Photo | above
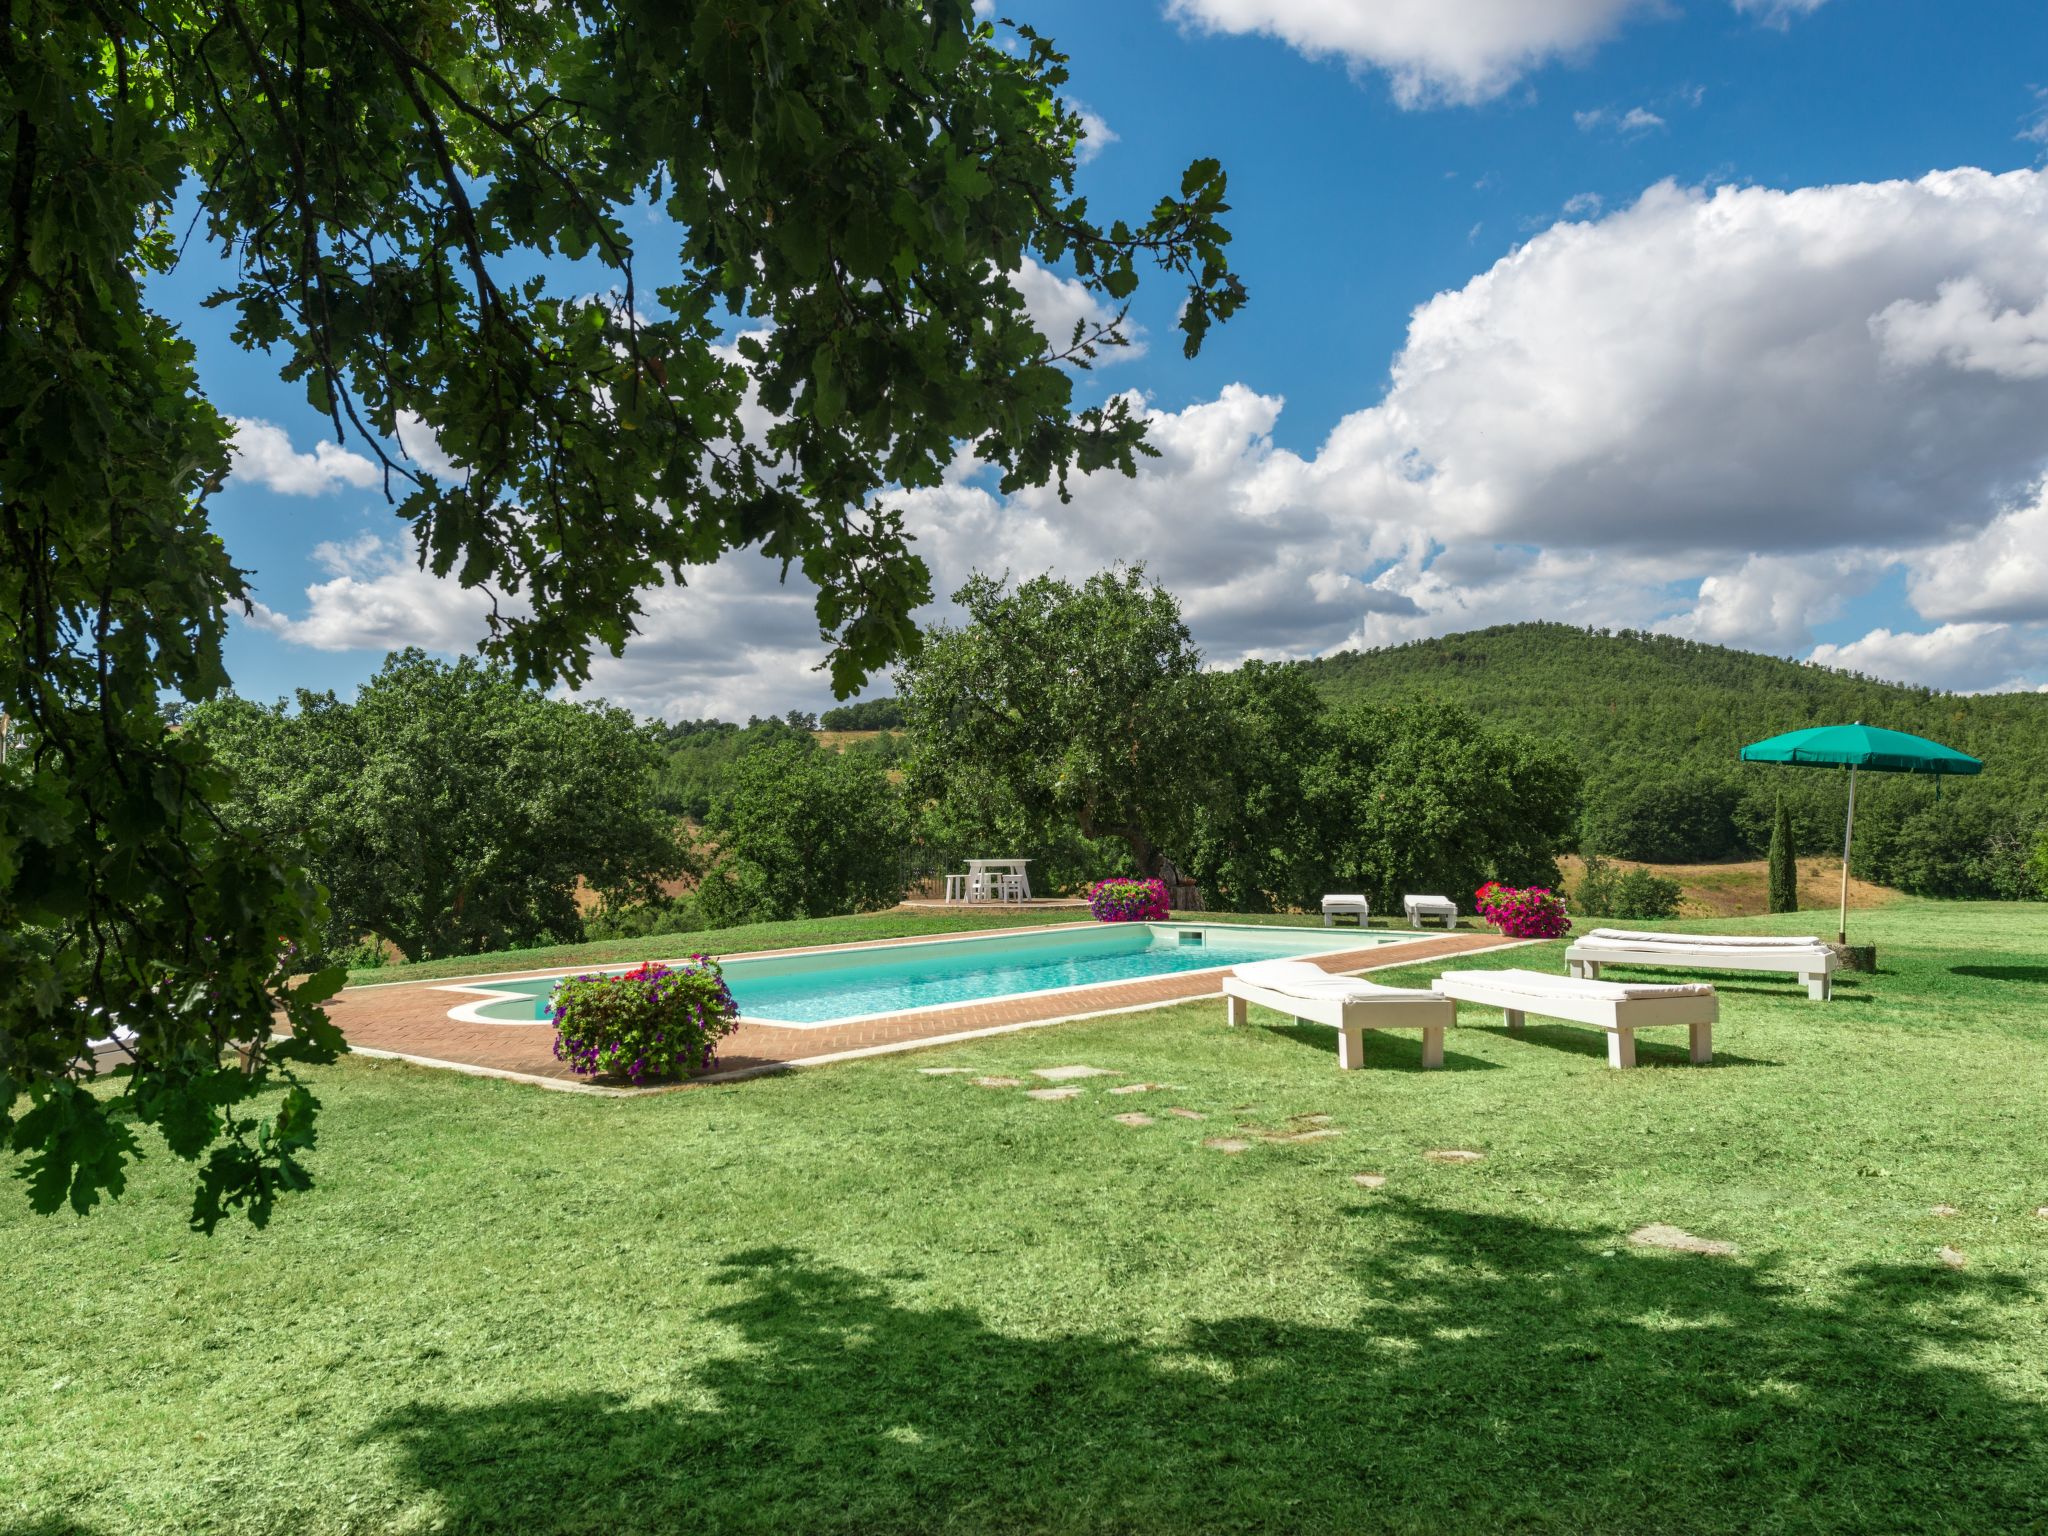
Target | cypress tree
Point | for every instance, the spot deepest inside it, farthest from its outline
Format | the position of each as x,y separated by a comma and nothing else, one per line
1784,865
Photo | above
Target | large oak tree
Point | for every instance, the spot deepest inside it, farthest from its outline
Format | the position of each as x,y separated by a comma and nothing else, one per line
843,190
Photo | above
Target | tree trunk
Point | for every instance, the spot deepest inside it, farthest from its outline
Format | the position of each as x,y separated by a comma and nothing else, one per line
1149,860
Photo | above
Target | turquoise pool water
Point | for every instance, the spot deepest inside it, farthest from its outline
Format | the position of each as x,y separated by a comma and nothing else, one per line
838,985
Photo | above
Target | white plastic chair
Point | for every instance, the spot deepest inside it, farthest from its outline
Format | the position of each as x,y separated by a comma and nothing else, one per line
1012,888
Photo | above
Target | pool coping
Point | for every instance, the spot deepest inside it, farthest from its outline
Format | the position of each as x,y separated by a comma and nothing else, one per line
746,954
417,1030
471,1013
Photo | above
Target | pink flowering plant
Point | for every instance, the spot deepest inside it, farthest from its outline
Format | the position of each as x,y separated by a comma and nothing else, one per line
1128,901
650,1024
1523,912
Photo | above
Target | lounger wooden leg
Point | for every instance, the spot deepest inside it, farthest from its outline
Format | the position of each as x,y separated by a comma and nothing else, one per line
1432,1046
1351,1048
1820,988
1576,969
1592,971
1516,1019
1621,1047
1237,1010
1702,1043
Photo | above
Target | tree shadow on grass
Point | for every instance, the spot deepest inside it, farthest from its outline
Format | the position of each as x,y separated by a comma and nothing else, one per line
1384,1048
1651,1051
1490,1373
2031,975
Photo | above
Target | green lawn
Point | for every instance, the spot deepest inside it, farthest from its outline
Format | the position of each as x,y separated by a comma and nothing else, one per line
864,1299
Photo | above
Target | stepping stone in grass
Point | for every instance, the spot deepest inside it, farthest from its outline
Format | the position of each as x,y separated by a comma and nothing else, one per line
1321,1133
2041,1211
1454,1155
1137,1087
1186,1114
1661,1234
1061,1074
1227,1144
1953,1259
1309,1119
1944,1210
1052,1093
1133,1119
998,1082
1369,1180
942,1071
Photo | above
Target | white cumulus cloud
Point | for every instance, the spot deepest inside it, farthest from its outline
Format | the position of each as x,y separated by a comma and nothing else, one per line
376,597
1964,657
1999,572
1444,52
1097,135
1702,372
1057,304
1968,326
1432,51
262,453
1720,414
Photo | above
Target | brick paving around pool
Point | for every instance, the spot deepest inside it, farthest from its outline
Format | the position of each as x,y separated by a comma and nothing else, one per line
410,1021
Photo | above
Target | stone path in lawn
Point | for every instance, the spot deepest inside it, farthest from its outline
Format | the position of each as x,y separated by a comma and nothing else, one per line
410,1020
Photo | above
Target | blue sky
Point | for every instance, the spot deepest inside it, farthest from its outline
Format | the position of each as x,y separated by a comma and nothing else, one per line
1726,317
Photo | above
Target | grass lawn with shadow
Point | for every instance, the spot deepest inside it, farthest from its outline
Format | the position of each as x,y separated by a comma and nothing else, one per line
871,1298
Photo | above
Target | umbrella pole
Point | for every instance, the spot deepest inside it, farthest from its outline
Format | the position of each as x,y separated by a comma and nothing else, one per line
1848,832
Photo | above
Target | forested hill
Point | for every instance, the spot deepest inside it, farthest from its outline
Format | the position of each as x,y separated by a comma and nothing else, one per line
1661,699
1656,722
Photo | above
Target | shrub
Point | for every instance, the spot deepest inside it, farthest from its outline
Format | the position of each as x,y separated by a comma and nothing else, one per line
640,919
1633,893
1530,912
651,1023
1128,901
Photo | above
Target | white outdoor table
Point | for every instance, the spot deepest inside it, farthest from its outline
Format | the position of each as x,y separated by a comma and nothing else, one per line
994,867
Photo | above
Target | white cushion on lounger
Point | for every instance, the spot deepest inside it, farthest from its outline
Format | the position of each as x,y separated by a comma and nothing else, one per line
1305,980
1539,984
1625,936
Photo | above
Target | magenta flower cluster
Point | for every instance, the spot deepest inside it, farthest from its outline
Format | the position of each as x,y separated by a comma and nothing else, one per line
649,1024
1128,901
1523,912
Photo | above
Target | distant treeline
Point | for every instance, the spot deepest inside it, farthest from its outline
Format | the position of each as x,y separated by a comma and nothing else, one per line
698,755
1656,723
448,809
867,715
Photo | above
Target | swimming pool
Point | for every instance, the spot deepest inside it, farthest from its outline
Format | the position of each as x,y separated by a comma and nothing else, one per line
834,986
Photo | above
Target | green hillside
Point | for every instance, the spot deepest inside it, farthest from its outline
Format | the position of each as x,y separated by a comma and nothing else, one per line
1656,722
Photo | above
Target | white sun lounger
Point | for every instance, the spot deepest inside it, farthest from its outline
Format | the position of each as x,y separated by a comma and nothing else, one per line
1620,1009
1420,909
1347,1004
1345,906
1807,958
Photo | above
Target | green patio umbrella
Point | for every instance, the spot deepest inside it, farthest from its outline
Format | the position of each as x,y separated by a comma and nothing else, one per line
1853,747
